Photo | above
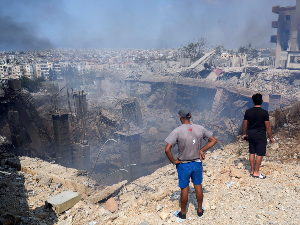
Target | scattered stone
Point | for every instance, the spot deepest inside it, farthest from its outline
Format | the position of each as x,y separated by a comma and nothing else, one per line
236,173
145,203
140,201
45,181
112,217
65,222
144,223
213,207
240,166
103,212
159,207
161,194
274,145
225,170
58,185
164,215
111,205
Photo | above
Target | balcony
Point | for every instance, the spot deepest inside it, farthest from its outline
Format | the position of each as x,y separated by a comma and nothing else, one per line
275,9
274,24
273,39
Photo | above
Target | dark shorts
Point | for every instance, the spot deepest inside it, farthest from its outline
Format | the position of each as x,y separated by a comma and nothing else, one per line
189,170
257,146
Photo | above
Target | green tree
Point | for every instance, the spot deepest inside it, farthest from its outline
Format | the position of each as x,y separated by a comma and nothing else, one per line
219,49
243,50
251,52
194,50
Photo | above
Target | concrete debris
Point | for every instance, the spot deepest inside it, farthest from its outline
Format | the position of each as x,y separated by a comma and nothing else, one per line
63,201
106,192
111,205
220,184
161,194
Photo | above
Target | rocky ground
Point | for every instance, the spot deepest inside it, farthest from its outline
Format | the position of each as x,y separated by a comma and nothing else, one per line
231,195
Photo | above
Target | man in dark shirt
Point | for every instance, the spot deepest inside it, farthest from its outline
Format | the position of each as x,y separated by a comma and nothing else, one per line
189,137
256,122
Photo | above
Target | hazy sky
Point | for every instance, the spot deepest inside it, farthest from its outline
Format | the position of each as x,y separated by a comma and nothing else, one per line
43,24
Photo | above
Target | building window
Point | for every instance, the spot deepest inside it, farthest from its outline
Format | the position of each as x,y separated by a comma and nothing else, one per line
288,17
287,32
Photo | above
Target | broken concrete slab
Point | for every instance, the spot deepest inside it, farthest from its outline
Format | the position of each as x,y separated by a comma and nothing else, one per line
106,192
111,205
68,177
63,201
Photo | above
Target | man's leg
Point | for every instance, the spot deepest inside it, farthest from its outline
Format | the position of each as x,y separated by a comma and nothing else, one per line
199,196
261,151
184,199
257,165
252,159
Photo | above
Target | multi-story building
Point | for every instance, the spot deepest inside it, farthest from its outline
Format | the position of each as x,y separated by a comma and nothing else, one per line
29,71
5,71
288,36
16,71
41,69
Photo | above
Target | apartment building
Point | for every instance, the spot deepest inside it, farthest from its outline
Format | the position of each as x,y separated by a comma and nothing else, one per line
41,69
288,36
16,71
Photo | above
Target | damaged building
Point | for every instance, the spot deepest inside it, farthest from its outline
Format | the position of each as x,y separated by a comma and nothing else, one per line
287,39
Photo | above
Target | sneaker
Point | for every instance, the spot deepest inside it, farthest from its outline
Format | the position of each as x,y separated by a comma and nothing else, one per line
179,216
200,214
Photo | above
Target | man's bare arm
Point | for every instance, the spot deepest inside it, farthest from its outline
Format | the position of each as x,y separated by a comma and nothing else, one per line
245,124
211,142
269,130
169,154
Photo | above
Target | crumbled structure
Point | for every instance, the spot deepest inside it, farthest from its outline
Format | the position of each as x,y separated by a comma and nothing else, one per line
130,143
62,139
81,105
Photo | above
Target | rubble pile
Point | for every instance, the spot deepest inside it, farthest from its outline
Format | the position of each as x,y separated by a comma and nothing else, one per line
263,80
231,195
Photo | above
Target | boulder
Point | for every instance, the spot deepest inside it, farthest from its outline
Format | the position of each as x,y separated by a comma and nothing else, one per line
111,205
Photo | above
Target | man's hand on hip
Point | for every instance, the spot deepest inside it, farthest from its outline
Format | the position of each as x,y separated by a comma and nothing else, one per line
202,156
177,161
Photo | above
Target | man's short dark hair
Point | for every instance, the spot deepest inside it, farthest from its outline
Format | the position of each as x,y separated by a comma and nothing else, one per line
257,99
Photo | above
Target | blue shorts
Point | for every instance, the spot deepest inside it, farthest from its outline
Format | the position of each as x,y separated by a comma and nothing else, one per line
189,170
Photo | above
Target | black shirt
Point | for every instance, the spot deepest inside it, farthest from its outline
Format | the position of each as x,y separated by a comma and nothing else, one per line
256,118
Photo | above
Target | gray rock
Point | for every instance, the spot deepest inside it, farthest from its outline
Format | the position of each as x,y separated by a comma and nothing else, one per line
65,222
103,212
159,207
